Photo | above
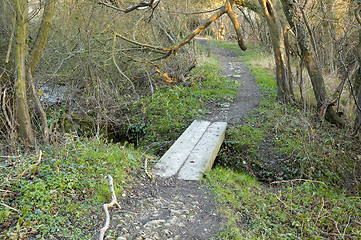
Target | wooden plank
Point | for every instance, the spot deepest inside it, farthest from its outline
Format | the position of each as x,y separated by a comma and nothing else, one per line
202,157
175,157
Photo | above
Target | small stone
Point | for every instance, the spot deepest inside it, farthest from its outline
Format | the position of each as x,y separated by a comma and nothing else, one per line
175,212
167,232
155,223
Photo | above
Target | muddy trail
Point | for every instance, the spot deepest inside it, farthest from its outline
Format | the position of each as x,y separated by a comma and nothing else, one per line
176,209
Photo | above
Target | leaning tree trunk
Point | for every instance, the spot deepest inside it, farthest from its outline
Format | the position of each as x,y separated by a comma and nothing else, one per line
22,110
357,123
36,54
283,88
312,65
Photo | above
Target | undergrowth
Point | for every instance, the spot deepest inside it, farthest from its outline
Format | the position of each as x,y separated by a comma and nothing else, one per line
313,167
166,114
292,210
63,196
282,142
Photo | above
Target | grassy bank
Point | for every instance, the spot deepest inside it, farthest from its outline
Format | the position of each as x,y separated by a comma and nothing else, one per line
310,169
169,111
62,197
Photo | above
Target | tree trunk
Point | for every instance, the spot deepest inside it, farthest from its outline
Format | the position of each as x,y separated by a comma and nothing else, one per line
357,123
39,47
43,34
283,88
22,110
287,60
314,71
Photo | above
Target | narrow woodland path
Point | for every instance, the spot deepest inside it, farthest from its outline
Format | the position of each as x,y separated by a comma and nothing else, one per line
176,209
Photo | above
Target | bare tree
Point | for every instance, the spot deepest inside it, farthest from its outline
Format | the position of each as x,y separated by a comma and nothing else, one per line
324,104
284,93
24,71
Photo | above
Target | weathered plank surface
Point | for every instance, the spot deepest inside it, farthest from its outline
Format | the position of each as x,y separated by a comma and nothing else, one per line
201,159
194,151
175,157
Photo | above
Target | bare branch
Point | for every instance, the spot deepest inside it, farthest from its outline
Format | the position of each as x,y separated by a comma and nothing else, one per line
357,14
143,44
116,65
140,5
3,106
191,13
9,207
208,22
38,106
236,25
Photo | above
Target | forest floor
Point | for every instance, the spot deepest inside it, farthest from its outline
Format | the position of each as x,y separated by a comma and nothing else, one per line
177,209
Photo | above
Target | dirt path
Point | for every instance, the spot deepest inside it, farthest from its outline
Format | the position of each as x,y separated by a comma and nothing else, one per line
176,209
249,94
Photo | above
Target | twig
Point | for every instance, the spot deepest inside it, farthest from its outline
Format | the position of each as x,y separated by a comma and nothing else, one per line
191,13
294,180
10,42
6,191
31,167
141,5
146,171
10,156
116,65
9,207
3,105
39,107
143,44
106,206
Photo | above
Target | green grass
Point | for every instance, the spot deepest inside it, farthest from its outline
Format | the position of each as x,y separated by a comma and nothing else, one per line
62,196
170,110
224,44
281,143
293,210
303,148
59,197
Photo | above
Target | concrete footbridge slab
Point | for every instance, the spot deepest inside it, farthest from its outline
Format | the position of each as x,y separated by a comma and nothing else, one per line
194,151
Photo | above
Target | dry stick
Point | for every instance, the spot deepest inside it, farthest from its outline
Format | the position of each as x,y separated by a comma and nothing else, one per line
10,43
146,169
140,5
294,180
6,191
29,168
191,13
357,14
108,205
9,207
116,65
38,107
143,44
4,111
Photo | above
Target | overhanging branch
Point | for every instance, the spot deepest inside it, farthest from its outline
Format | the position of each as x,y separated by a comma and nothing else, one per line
140,5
